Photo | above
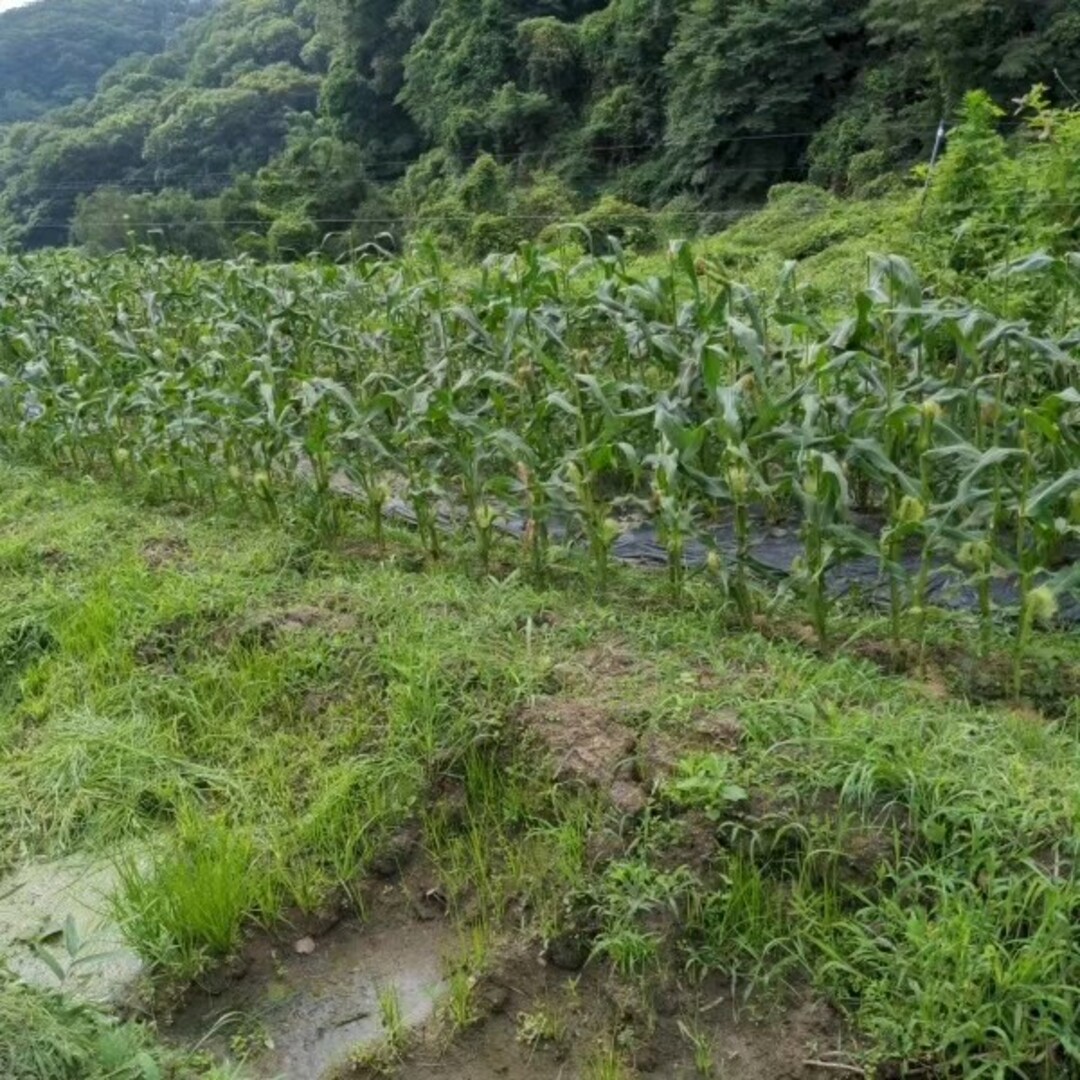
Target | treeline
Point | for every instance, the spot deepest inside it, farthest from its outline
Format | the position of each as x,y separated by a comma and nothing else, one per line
281,126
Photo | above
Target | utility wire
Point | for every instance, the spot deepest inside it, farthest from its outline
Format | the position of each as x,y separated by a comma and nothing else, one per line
437,219
505,156
140,187
394,167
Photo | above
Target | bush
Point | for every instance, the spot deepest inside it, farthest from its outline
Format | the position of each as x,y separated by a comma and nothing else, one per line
546,201
800,198
44,1036
867,167
174,221
495,233
630,225
377,221
680,219
483,189
292,236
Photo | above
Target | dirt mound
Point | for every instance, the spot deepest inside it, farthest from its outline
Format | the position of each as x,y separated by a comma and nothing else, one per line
588,744
164,551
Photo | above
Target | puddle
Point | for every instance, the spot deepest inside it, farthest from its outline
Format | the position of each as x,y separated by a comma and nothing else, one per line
300,1015
36,901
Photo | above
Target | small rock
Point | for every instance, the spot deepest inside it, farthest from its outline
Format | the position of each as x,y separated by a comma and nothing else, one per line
627,798
304,947
399,849
494,996
568,952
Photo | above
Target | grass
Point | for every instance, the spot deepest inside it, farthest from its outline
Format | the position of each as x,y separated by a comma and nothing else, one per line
186,905
253,721
45,1037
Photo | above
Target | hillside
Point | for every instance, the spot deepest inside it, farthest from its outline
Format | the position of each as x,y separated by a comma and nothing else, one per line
54,53
267,125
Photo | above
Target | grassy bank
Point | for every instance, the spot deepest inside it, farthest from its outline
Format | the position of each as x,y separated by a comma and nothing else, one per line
261,725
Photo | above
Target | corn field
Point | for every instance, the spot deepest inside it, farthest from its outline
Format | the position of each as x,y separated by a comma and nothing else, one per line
922,431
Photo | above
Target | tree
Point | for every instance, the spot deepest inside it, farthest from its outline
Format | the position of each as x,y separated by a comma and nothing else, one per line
326,111
366,74
318,177
461,60
62,165
112,220
750,82
205,135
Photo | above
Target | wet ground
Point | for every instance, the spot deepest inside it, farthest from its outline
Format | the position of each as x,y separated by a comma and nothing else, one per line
292,1006
35,904
296,1007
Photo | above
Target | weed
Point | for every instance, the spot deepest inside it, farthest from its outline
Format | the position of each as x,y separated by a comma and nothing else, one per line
249,1039
703,781
863,836
378,1058
185,905
75,956
391,1016
704,1057
44,1036
605,1063
458,1006
542,1025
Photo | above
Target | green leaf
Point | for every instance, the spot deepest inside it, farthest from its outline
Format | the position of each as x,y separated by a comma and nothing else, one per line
49,960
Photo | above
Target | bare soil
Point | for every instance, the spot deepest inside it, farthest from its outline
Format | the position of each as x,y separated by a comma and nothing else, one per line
162,552
590,1016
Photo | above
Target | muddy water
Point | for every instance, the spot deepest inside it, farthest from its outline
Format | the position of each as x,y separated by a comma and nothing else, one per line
297,1016
37,900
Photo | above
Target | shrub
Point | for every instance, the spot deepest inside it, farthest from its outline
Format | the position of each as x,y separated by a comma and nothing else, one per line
630,225
680,219
494,233
292,236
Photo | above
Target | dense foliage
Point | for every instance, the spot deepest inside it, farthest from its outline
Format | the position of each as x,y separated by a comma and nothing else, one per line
289,120
54,53
552,391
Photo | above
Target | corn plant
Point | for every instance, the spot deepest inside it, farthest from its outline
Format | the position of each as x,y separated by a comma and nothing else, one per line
540,395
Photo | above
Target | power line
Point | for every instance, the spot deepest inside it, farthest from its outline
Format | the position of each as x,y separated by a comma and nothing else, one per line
414,221
143,187
509,157
393,168
399,220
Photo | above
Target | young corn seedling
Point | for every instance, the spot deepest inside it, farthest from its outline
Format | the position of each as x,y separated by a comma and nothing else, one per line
1038,529
908,521
361,451
419,449
601,530
483,520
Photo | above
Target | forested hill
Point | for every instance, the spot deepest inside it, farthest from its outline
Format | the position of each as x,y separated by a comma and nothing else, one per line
53,53
267,125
